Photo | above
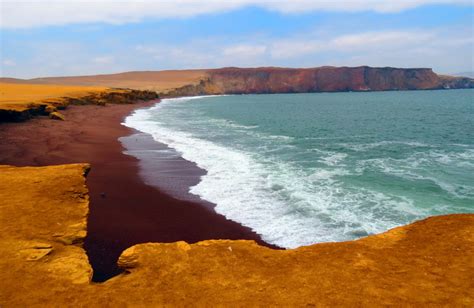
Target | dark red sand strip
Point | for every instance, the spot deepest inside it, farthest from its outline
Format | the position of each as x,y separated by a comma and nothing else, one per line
124,211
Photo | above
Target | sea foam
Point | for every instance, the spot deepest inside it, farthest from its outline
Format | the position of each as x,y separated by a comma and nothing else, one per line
286,205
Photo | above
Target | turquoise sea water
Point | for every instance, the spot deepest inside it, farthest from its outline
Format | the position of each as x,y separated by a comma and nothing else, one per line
307,168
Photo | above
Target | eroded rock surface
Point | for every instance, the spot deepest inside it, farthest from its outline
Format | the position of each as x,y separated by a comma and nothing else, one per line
42,222
320,79
15,105
429,262
41,208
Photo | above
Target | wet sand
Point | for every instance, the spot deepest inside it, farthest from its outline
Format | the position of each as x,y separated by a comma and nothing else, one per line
124,210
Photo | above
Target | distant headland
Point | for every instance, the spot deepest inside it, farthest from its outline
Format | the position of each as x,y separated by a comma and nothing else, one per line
234,80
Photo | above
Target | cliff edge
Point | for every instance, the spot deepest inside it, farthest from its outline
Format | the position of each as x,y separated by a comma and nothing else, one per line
43,212
234,80
21,101
322,79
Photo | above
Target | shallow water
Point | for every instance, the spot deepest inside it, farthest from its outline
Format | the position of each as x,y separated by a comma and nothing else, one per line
307,168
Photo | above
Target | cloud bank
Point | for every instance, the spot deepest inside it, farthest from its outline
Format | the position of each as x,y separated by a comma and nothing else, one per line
408,48
38,13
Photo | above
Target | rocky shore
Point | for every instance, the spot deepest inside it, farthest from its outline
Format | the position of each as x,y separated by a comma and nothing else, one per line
16,107
43,223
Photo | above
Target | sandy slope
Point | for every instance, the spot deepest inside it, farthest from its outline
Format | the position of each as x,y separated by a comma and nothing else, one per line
147,80
19,95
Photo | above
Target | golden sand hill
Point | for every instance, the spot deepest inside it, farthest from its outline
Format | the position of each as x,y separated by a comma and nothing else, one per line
20,101
43,212
159,81
20,96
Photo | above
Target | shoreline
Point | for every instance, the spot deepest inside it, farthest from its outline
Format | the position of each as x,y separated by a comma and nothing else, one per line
428,261
124,210
163,167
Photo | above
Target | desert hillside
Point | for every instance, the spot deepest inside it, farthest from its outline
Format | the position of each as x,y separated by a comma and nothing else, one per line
266,80
148,80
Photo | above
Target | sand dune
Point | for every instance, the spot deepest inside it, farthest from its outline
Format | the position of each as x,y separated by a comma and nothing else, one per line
149,80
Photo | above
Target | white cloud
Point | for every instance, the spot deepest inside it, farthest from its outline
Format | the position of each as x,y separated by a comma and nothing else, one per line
440,49
36,13
8,62
380,41
244,50
103,60
381,6
445,49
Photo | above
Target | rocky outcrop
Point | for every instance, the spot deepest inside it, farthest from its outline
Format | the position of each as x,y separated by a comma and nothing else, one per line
425,263
322,79
204,87
451,82
107,97
56,116
16,112
43,214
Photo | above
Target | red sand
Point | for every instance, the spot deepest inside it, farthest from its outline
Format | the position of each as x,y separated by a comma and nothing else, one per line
124,210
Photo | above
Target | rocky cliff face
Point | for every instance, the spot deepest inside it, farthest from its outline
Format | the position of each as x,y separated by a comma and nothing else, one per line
323,79
451,82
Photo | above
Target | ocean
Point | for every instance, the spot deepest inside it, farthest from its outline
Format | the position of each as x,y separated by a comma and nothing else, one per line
306,168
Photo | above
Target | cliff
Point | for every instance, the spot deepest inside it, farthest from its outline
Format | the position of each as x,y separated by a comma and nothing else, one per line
265,80
20,102
452,82
322,79
43,213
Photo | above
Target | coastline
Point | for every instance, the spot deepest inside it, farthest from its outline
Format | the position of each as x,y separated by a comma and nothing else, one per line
43,227
163,167
124,210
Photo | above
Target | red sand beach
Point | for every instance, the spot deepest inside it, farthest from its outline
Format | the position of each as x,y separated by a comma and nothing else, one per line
124,210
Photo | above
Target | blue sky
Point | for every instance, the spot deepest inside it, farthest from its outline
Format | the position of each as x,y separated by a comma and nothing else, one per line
78,37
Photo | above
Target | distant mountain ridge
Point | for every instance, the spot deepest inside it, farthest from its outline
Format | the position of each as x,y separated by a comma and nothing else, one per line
233,80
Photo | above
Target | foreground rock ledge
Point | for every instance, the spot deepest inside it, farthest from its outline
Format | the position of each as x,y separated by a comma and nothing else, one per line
42,223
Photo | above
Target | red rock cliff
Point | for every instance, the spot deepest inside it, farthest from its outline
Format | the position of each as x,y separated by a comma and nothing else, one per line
322,79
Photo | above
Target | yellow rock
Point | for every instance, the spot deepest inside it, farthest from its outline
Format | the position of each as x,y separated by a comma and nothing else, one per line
57,116
427,263
20,102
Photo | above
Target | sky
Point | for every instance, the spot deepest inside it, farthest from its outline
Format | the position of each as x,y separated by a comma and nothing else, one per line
40,38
